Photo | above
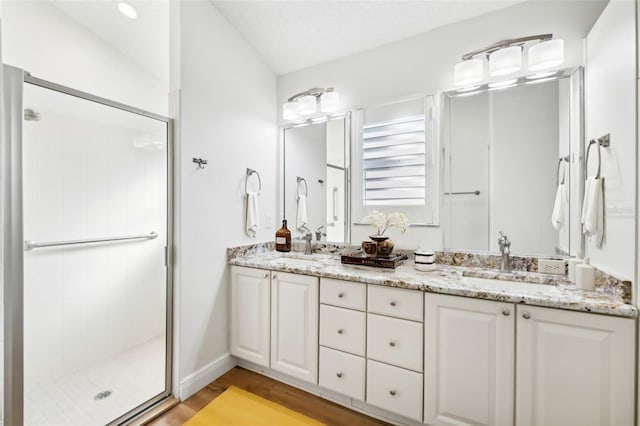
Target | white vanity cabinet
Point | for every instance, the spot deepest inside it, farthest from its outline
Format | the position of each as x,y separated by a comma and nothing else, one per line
294,325
250,310
469,361
343,337
570,368
395,350
574,368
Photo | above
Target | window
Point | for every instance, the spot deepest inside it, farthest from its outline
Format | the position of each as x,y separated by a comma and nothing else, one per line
395,161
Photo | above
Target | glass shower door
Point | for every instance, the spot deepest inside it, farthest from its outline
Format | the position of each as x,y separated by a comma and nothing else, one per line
95,188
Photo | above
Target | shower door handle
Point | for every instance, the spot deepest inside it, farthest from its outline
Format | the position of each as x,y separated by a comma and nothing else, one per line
30,245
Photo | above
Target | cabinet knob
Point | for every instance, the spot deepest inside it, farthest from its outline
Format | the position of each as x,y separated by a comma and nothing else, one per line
506,312
392,392
392,303
340,295
392,344
340,331
266,276
275,276
339,375
526,315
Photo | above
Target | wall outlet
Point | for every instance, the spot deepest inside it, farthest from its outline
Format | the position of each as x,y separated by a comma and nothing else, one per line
548,266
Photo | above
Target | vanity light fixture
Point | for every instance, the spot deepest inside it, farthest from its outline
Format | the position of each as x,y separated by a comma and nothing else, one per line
305,103
505,57
127,10
504,83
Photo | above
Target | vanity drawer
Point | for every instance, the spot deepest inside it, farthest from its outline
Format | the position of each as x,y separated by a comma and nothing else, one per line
394,389
395,302
342,329
346,294
395,341
342,373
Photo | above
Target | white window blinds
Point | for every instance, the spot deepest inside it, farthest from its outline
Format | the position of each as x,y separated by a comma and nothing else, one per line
393,162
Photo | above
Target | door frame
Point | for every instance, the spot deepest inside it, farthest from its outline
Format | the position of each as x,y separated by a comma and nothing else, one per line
11,156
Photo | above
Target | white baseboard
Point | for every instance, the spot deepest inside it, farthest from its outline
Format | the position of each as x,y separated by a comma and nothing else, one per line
207,374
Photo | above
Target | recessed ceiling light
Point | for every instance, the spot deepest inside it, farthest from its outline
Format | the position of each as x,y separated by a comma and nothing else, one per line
127,10
503,83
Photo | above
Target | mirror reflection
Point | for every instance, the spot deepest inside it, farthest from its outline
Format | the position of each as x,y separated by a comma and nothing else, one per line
315,179
512,165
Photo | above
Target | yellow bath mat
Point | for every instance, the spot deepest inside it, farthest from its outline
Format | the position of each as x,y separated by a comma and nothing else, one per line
237,407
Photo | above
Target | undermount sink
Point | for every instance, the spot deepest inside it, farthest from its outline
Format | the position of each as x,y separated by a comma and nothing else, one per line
293,261
493,284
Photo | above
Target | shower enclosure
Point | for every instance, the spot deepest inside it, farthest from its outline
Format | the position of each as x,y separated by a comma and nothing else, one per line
88,278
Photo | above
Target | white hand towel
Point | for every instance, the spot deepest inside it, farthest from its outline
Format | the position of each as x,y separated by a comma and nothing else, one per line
593,210
557,216
301,215
251,224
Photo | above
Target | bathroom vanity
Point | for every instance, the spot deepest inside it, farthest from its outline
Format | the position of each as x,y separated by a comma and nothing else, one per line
458,345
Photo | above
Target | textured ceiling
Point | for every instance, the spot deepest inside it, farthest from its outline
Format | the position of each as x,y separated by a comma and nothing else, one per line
144,41
295,34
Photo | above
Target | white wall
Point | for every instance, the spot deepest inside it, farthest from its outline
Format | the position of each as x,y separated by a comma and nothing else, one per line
228,116
424,64
610,91
39,38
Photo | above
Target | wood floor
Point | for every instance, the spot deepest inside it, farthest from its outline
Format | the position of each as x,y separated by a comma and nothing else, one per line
285,395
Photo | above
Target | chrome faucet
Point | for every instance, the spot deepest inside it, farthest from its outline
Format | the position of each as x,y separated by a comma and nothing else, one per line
308,237
505,250
319,233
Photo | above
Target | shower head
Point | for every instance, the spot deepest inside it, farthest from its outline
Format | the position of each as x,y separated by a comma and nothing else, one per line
31,115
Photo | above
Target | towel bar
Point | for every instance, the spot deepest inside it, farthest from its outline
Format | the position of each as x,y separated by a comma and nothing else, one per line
246,180
564,170
603,141
306,188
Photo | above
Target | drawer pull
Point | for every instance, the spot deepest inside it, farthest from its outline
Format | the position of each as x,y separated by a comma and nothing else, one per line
339,375
392,392
526,315
340,295
506,312
275,276
266,276
392,303
340,330
392,344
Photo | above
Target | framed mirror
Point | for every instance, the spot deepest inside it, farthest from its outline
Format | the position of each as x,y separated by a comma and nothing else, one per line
512,164
315,178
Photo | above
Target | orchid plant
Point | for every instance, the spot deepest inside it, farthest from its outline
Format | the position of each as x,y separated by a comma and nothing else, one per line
382,221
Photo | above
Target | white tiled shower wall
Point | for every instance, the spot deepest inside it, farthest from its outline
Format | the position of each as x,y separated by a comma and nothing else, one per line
86,178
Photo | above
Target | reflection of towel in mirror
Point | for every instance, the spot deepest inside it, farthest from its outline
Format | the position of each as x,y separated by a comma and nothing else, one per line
251,225
559,208
593,210
301,216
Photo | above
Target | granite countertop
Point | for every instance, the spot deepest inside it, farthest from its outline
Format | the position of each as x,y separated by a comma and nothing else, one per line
446,279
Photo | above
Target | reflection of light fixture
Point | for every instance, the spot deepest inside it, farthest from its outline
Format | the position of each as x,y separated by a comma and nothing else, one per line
468,89
546,55
127,10
503,83
467,72
541,75
505,61
505,57
500,87
305,103
541,80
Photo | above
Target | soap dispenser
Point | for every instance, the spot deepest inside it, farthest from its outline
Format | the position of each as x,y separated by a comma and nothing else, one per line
571,266
586,275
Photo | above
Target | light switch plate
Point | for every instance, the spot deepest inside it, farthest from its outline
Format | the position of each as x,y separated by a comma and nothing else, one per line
549,266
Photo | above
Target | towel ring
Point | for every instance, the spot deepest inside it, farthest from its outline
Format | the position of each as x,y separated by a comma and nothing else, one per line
306,188
564,171
586,161
246,180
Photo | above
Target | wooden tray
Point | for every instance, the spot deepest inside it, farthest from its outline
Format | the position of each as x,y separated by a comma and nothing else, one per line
391,262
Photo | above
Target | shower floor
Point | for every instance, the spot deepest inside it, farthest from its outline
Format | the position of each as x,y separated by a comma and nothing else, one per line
132,377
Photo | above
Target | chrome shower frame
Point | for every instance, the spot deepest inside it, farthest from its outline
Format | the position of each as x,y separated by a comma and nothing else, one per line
13,241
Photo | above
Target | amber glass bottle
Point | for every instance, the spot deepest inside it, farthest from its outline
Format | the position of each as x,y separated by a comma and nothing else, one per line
283,238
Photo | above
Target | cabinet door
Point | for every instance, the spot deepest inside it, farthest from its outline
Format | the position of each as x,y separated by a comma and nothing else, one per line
294,325
574,368
250,303
469,361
